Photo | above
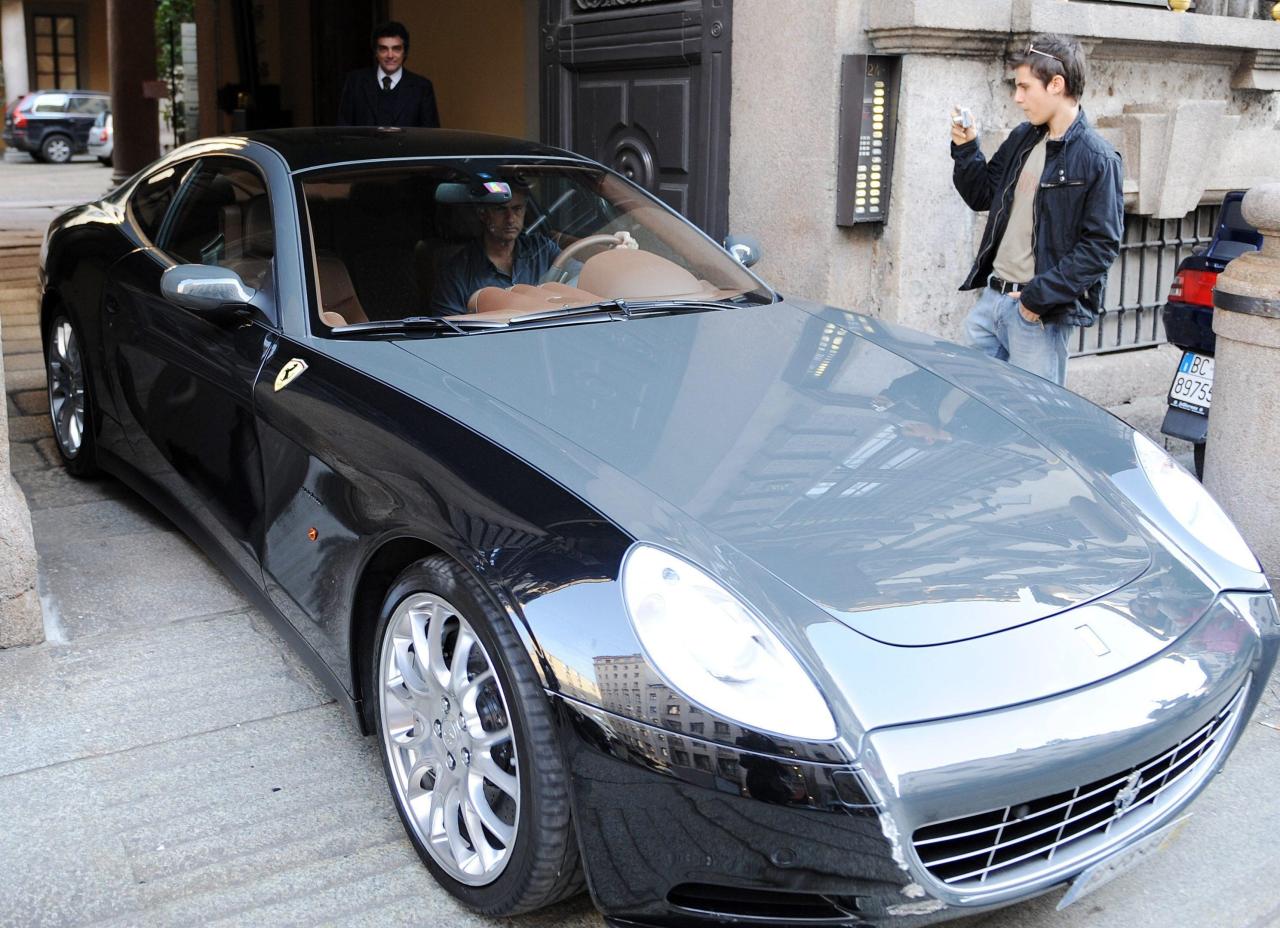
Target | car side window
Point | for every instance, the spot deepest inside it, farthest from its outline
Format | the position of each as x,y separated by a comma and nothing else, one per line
51,103
88,105
223,218
151,198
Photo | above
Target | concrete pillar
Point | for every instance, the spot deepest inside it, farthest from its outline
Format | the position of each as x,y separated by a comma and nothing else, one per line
13,49
21,621
1244,439
131,40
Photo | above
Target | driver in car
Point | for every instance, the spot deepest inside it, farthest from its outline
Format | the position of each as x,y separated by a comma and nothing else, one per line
500,257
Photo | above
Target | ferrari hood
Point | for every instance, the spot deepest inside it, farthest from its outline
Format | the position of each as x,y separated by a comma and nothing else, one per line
905,507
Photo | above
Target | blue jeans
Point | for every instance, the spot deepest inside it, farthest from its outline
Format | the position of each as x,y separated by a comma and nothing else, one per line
995,327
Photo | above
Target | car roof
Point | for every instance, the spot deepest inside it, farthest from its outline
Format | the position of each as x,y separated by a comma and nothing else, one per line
83,93
315,147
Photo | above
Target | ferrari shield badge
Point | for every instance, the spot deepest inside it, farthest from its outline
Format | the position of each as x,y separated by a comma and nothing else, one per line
289,373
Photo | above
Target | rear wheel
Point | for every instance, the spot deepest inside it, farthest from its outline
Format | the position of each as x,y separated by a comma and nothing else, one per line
56,149
468,745
70,406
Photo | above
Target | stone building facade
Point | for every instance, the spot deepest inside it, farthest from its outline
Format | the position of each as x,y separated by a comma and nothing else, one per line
1191,101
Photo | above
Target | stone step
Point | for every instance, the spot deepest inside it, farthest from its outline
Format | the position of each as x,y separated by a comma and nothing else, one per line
53,488
21,331
25,361
20,345
19,312
23,380
27,456
31,402
29,428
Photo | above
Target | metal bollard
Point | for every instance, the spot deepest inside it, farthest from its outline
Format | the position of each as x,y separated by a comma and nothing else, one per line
1244,429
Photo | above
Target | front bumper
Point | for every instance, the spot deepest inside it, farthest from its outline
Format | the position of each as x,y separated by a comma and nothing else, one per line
751,837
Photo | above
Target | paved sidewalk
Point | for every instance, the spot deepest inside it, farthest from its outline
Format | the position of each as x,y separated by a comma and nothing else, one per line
166,760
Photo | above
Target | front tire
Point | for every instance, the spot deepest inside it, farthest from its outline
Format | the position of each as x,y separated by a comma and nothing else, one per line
468,745
70,401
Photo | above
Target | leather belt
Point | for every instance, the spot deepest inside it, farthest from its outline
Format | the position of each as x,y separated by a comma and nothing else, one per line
1004,286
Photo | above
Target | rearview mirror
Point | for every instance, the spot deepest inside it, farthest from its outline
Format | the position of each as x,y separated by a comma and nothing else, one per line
481,192
745,249
205,289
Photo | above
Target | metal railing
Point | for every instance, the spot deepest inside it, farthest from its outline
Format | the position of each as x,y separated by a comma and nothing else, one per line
1138,283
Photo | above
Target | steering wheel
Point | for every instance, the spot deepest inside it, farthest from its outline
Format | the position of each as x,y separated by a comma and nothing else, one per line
581,245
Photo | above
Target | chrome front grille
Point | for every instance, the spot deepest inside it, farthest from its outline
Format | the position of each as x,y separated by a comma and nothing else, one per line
1019,843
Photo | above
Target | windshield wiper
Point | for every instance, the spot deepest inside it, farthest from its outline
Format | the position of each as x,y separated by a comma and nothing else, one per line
397,326
620,309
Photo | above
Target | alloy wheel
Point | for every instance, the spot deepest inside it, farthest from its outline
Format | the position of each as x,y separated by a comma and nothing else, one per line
448,737
66,388
57,150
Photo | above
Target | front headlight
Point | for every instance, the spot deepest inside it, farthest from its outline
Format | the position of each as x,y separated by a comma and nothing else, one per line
1191,504
711,647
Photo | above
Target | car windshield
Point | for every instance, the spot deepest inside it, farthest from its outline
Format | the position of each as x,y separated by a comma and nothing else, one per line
488,244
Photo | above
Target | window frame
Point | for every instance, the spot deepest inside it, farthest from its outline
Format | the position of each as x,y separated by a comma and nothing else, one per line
187,164
165,229
34,35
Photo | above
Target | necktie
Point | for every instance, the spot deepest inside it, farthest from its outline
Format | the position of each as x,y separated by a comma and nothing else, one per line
386,82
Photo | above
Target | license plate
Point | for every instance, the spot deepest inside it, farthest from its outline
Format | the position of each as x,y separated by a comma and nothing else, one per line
1105,871
1192,387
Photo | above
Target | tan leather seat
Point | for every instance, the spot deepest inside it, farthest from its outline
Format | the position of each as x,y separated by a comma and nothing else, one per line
250,239
339,304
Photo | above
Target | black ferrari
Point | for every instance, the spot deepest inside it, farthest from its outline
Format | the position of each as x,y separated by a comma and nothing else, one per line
728,607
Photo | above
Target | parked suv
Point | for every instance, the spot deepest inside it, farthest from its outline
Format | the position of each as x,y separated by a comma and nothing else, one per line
53,125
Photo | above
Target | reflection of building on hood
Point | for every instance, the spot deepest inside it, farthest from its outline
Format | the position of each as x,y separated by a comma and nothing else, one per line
767,779
923,397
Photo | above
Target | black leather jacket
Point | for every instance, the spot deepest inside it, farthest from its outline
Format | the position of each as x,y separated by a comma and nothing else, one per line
1079,215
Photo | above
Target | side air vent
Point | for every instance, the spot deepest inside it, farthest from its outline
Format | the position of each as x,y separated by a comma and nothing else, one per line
765,906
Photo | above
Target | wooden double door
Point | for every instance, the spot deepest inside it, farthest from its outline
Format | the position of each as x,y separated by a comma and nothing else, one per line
643,86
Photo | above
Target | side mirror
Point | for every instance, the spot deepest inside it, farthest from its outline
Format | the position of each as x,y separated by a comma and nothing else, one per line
205,289
744,248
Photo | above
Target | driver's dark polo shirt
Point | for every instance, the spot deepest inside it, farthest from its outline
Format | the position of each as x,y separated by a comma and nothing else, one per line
472,270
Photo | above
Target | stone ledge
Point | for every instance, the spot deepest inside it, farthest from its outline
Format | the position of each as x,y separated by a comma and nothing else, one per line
980,28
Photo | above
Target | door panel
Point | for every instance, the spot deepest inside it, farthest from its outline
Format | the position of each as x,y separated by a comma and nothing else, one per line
184,380
644,88
637,122
185,385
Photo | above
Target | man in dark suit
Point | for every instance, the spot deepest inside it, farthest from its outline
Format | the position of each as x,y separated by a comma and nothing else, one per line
388,94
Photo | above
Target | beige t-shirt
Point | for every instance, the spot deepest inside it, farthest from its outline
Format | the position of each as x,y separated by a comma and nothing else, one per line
1015,261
